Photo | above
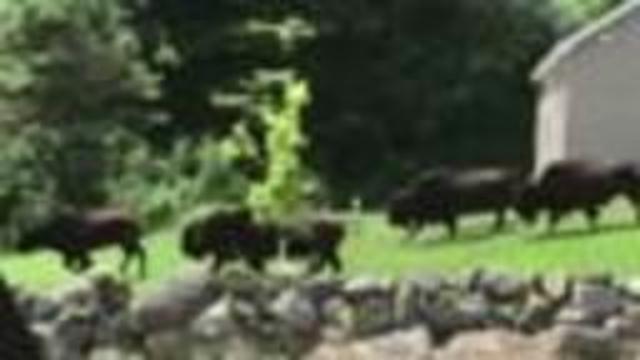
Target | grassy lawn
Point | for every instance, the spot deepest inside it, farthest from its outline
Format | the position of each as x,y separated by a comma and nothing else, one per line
375,248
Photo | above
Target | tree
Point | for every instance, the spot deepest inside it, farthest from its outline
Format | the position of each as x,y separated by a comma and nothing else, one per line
71,81
203,48
574,13
288,184
403,85
398,85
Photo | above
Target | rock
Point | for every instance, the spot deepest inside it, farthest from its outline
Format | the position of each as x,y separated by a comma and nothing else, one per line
233,329
499,288
562,343
626,325
410,344
168,345
373,304
475,310
338,319
416,293
428,286
38,308
176,304
297,325
537,315
632,289
445,319
88,317
363,287
490,345
197,317
214,330
217,323
73,335
583,343
321,291
295,310
592,305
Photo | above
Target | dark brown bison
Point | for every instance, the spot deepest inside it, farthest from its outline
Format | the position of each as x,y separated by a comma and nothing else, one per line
75,235
234,234
577,185
317,240
442,196
229,235
17,342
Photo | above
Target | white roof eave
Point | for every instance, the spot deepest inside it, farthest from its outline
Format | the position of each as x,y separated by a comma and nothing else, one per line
575,42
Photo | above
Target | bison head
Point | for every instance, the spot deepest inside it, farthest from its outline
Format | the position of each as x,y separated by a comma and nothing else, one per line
528,203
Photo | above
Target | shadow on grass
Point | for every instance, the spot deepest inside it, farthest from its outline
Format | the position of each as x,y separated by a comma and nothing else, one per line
432,237
585,232
466,235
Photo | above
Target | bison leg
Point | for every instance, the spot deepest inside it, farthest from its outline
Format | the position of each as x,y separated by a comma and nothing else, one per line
592,214
69,261
218,262
84,262
412,231
318,264
142,259
636,207
501,218
452,226
315,266
141,254
554,218
334,260
138,251
256,264
124,265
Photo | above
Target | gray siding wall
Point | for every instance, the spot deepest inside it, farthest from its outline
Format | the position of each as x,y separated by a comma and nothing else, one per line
595,101
551,125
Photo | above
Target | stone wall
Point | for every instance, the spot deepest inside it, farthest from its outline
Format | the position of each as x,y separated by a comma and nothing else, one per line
479,316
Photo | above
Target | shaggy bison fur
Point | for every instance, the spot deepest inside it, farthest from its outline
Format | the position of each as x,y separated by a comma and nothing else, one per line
319,241
442,196
231,235
578,185
75,235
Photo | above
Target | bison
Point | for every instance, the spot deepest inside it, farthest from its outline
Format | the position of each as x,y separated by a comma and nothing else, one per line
318,240
234,234
75,235
577,185
228,235
442,196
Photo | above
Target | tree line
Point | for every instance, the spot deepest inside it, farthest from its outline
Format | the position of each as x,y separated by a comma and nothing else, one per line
164,104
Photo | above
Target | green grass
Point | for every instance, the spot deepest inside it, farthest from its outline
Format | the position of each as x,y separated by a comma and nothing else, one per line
615,248
375,248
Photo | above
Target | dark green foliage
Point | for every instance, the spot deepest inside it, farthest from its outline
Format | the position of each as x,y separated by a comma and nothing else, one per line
577,12
418,83
146,103
204,47
72,80
78,105
397,85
